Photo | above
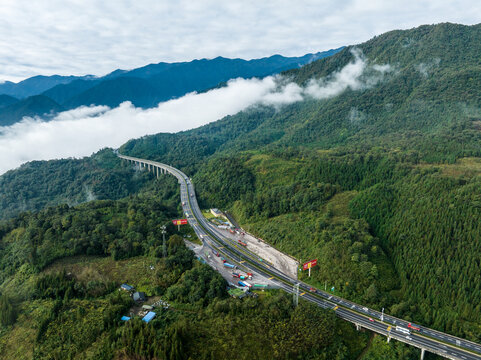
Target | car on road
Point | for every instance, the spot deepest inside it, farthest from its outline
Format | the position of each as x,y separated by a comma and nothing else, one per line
312,290
371,319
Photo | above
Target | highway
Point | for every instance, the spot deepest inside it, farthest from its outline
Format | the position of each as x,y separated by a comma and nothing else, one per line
426,339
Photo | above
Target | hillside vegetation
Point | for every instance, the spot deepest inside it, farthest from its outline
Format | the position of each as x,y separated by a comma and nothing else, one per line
398,151
381,183
40,184
56,304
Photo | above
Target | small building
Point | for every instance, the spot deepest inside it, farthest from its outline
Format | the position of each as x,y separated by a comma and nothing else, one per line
150,315
147,307
216,212
125,318
126,287
139,296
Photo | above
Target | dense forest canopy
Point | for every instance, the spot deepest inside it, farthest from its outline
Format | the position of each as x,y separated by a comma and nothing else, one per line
381,184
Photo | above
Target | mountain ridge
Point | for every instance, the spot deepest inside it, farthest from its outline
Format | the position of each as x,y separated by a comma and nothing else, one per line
145,86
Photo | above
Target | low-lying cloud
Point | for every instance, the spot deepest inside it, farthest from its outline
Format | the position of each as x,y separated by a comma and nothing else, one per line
84,130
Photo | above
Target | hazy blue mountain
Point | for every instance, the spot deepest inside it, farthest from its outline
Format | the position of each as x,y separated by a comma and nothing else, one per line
37,105
63,92
112,92
6,100
263,66
36,85
144,87
163,81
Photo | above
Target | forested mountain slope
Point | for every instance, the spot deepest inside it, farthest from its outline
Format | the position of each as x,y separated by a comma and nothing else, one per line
428,102
401,155
40,184
380,182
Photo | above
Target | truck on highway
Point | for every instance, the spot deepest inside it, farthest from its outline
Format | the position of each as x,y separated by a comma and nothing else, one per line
403,330
226,264
247,284
236,275
241,242
241,283
414,327
259,286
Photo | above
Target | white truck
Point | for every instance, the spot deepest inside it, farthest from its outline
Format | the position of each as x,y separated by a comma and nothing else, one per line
403,330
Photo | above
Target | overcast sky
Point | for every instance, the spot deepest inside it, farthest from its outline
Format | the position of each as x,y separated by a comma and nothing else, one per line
95,37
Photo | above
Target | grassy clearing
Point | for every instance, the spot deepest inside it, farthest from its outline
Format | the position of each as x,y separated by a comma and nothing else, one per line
463,168
268,169
208,215
16,342
135,271
338,206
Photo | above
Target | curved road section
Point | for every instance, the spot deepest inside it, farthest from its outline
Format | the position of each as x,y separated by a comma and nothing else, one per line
426,339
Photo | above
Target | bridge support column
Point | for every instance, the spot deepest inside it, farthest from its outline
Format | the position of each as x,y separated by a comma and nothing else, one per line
358,327
157,172
388,339
422,354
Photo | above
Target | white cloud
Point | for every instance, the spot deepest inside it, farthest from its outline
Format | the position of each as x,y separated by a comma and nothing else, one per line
84,130
95,37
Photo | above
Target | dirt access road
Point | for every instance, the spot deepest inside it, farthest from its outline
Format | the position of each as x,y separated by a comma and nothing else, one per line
279,260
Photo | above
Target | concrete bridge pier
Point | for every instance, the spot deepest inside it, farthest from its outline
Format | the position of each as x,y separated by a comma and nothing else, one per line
422,354
358,327
157,169
388,339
